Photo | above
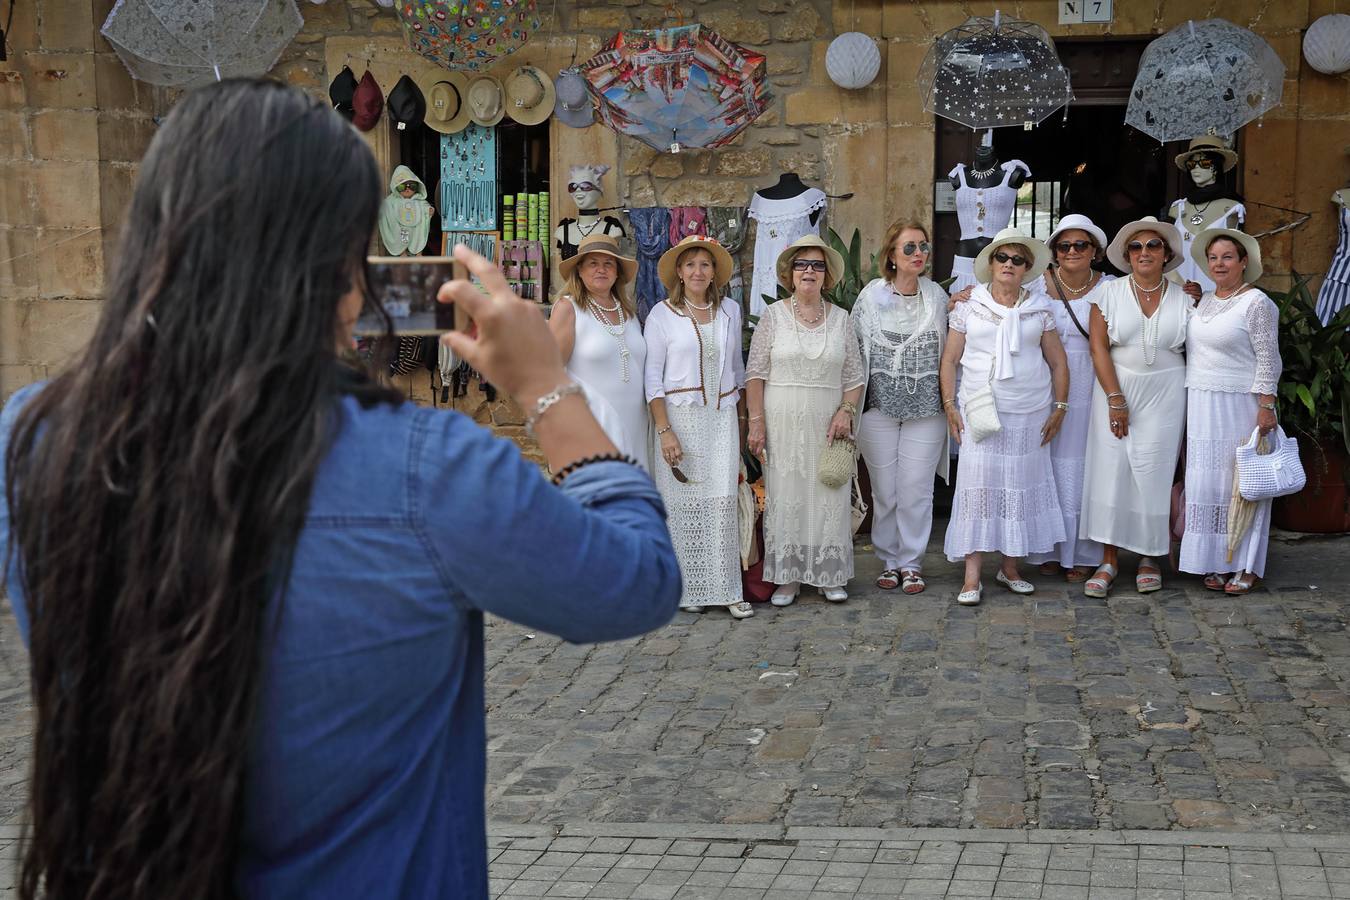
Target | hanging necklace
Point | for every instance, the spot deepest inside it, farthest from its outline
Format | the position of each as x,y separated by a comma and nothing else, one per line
1198,218
615,331
1078,292
585,230
797,330
984,173
1149,325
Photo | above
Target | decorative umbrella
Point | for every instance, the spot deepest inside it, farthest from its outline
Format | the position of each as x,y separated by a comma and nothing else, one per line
1204,78
987,73
183,45
467,34
677,87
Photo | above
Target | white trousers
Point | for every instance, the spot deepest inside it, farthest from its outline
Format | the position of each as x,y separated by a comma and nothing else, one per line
902,459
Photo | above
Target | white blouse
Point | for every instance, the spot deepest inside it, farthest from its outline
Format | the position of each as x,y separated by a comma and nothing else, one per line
674,367
1005,342
1233,345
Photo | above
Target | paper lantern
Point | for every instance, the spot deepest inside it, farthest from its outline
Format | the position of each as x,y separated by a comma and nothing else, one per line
1326,45
852,60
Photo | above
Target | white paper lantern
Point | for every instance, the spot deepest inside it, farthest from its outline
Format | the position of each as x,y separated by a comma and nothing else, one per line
1326,45
852,60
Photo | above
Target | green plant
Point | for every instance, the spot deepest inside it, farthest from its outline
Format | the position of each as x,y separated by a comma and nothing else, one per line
1315,385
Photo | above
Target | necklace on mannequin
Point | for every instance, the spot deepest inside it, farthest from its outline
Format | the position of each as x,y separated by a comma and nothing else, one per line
984,173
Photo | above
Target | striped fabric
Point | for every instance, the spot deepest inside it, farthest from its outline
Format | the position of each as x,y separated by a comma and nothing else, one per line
1335,293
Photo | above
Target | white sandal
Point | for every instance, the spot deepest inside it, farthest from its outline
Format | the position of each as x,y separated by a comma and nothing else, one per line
742,610
785,594
1097,586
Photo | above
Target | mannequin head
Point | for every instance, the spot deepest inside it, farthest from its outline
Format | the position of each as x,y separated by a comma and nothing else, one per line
1204,168
583,185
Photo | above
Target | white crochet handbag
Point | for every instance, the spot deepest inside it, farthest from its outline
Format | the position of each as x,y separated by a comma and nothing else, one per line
1276,473
981,412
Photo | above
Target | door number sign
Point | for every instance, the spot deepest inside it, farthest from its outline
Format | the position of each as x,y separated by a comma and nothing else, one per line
1085,12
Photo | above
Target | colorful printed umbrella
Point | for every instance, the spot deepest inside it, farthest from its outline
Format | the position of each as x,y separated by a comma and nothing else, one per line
467,34
677,87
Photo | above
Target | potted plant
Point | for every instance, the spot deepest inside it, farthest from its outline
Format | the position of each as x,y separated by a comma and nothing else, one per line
1314,396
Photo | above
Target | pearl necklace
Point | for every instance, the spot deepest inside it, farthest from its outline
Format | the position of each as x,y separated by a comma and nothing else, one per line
1078,292
795,315
615,331
694,305
797,330
1148,331
1233,293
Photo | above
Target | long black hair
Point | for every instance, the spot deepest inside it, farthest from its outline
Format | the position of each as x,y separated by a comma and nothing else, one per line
157,488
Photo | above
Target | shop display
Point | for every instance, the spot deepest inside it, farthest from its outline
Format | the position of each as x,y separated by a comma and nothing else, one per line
447,110
986,194
573,106
407,105
852,60
1209,203
687,221
784,212
484,243
368,102
469,180
470,36
405,215
487,105
1335,292
529,95
651,233
584,187
523,264
727,225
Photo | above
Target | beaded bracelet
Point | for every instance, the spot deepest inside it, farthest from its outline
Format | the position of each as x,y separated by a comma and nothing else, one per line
586,461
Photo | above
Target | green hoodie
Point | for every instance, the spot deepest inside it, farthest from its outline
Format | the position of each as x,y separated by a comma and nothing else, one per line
404,223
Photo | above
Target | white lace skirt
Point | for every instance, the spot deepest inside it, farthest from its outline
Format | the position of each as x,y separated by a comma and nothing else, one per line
1005,499
1216,423
1068,452
702,515
808,528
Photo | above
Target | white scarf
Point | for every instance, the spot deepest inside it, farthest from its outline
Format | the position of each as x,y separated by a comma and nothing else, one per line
1009,339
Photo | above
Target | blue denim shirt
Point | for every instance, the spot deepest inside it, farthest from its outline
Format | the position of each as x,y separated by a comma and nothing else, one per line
366,774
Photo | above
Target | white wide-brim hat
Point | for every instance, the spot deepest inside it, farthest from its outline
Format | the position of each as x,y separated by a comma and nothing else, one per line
1040,255
485,101
1200,251
1169,233
1078,222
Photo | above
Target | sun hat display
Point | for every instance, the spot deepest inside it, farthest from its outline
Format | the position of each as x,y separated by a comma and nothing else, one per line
446,92
1116,251
600,243
834,263
368,102
1200,250
485,102
341,91
407,106
1208,145
1078,222
529,95
723,267
1040,255
573,106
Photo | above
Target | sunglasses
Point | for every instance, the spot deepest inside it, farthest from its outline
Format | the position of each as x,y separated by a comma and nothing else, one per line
808,265
908,248
1199,162
1017,260
408,186
1066,246
575,186
1136,246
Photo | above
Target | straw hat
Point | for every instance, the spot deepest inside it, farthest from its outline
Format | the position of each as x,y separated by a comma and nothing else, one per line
834,263
485,101
722,264
1078,222
1200,249
529,95
447,108
600,243
1040,255
1208,145
1168,232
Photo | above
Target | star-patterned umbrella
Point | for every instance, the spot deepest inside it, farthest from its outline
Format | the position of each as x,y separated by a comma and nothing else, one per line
988,73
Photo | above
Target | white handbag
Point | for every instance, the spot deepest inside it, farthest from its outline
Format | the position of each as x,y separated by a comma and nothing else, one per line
857,508
981,412
1263,476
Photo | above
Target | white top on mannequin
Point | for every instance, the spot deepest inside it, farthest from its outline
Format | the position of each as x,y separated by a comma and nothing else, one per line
984,212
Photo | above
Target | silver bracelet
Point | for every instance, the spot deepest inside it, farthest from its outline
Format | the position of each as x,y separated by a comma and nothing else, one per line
545,403
1060,404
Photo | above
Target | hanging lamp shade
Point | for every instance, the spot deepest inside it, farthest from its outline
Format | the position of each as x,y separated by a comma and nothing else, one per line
1326,44
852,60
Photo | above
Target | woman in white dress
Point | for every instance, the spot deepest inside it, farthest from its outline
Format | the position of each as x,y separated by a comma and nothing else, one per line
901,321
803,383
1070,284
694,379
1232,371
1005,340
595,324
1138,335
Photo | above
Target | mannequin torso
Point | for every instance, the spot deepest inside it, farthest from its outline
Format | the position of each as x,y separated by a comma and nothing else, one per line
570,232
789,185
985,171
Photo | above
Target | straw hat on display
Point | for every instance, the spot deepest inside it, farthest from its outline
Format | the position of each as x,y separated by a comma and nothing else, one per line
723,267
485,101
1208,145
834,263
1121,260
1200,251
1040,255
600,243
529,95
1078,222
447,104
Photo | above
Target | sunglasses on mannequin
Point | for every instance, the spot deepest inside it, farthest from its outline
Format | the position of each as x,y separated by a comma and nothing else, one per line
1200,162
1066,246
575,186
1017,260
808,265
1136,246
908,248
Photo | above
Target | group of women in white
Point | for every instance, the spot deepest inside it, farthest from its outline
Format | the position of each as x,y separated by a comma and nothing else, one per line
1069,392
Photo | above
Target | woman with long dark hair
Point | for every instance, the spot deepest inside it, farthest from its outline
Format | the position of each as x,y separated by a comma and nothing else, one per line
251,579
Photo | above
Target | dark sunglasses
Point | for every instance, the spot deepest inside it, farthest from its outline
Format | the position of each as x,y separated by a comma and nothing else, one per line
1136,246
908,248
408,186
1066,246
575,186
1018,260
1200,162
812,265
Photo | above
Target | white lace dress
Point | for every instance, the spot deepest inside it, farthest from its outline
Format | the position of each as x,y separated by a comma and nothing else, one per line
808,533
779,223
702,514
1233,355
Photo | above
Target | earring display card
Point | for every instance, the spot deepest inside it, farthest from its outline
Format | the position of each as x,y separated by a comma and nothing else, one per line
523,263
469,180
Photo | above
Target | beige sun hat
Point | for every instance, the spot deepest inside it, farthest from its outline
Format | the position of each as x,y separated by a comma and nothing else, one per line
834,263
1200,250
1208,145
447,105
600,243
722,264
1040,255
1116,252
485,101
529,95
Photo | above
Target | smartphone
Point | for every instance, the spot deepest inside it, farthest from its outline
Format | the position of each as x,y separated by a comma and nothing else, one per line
406,286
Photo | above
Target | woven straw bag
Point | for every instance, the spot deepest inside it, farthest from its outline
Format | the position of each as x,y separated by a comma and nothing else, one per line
1265,475
838,459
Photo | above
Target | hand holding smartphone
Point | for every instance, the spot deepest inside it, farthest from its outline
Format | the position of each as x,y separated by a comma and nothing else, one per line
406,286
